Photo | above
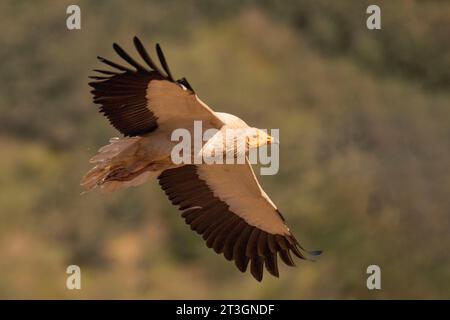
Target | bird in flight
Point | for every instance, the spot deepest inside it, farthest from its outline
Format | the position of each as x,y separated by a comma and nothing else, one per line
224,203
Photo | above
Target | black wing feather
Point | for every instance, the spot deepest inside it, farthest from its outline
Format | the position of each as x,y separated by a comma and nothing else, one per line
122,93
222,229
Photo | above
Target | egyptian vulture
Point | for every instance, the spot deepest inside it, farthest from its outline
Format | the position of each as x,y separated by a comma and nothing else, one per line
224,203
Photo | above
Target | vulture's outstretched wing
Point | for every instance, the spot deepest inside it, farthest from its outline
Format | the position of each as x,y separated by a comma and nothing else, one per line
139,99
227,206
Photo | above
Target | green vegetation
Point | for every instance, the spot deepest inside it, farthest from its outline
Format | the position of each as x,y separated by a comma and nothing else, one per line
364,124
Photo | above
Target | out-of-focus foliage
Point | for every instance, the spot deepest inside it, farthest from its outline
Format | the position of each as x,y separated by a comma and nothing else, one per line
365,146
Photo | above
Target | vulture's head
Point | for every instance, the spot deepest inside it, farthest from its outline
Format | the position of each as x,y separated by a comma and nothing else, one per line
254,137
257,138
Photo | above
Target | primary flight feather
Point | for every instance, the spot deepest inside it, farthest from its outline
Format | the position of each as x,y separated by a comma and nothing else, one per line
222,202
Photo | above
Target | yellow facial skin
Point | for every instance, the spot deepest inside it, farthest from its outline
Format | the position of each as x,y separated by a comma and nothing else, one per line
259,138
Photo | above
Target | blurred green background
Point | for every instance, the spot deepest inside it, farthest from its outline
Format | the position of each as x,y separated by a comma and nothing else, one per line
364,124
